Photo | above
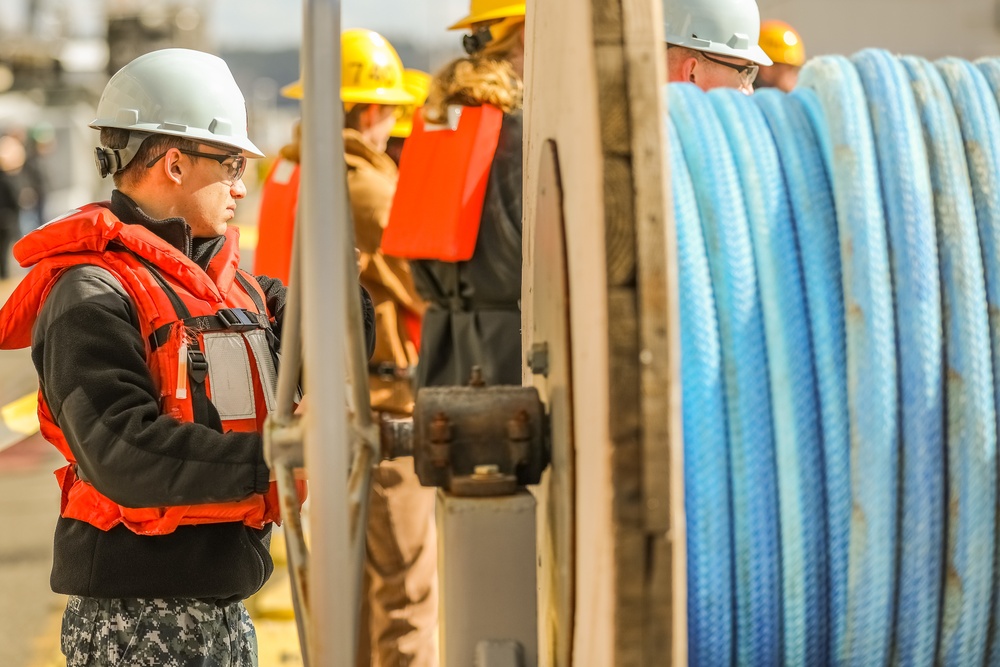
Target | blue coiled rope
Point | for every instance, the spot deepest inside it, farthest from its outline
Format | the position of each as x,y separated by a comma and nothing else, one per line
748,427
987,203
850,251
909,209
842,117
816,231
706,499
792,382
969,386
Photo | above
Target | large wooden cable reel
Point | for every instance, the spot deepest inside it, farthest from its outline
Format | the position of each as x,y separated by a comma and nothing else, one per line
600,332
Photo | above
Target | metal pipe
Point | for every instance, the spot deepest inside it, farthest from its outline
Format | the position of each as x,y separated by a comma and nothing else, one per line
333,633
279,424
365,440
298,555
290,371
357,354
359,491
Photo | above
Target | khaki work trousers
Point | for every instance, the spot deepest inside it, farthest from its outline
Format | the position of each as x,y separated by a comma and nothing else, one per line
399,610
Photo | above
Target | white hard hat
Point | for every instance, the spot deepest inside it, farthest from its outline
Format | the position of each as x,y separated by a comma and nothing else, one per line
723,27
179,92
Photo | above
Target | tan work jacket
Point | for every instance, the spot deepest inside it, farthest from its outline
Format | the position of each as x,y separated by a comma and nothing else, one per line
371,183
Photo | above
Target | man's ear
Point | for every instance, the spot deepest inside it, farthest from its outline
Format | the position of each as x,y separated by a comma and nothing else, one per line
172,165
370,116
688,70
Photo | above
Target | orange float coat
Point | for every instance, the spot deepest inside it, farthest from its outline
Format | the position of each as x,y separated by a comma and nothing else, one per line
444,173
224,307
371,182
276,224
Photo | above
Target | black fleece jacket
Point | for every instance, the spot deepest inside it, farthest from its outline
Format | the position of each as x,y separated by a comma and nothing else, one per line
90,359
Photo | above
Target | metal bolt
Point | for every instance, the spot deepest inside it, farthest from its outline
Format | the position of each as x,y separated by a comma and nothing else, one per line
519,437
518,427
538,359
440,428
440,436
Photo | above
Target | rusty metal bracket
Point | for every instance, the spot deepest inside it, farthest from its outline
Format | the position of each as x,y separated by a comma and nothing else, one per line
476,440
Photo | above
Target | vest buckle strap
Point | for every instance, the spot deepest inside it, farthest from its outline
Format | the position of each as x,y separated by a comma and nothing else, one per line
238,319
197,365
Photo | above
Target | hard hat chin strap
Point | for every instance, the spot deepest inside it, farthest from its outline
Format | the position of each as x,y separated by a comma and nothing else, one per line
477,41
113,160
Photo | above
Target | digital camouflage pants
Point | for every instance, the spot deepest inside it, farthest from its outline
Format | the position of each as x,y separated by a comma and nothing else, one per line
157,633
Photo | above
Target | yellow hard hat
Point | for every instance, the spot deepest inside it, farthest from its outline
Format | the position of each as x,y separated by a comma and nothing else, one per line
370,71
782,43
418,84
489,10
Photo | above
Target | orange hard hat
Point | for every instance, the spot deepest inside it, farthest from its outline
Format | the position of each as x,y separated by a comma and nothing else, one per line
782,43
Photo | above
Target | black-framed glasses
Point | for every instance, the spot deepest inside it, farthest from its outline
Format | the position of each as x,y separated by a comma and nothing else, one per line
748,73
236,167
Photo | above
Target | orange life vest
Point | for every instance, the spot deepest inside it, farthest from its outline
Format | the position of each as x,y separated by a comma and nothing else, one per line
275,227
443,173
222,312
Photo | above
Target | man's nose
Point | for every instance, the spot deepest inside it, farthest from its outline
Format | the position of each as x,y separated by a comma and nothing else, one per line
238,189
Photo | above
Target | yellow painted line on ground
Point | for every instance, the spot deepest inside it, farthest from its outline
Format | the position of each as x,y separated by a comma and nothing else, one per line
21,416
47,650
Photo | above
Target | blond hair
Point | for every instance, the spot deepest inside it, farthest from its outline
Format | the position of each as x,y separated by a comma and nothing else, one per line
485,77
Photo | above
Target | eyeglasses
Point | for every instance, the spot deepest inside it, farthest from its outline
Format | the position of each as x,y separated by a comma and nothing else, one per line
748,73
236,167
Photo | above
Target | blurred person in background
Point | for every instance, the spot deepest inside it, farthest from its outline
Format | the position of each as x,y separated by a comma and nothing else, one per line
714,44
417,83
399,614
19,160
39,144
783,44
11,156
473,317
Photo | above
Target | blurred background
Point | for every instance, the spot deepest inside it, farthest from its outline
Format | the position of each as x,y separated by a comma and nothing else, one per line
57,55
930,28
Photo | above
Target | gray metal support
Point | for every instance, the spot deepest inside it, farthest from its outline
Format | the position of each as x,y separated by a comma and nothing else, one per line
332,578
486,577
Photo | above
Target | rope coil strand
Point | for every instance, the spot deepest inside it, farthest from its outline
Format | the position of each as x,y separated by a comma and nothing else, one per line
839,260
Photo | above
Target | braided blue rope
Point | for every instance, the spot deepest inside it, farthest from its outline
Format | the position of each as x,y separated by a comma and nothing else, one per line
706,452
845,132
741,329
815,222
969,388
987,201
909,207
971,543
813,250
792,378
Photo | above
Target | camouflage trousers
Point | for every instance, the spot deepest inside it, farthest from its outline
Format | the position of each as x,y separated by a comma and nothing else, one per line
156,633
